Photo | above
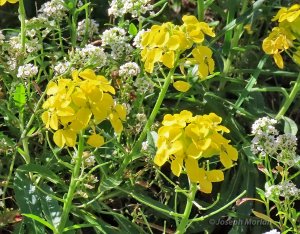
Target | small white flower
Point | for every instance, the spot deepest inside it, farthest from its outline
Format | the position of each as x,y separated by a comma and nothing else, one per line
61,68
129,69
113,36
273,231
91,30
27,71
54,9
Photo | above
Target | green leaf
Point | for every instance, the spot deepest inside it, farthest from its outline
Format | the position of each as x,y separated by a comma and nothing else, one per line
109,183
42,171
20,96
132,29
40,220
265,217
28,200
290,126
50,206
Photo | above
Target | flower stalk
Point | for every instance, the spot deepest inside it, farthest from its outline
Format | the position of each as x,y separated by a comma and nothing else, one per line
188,208
73,185
138,144
288,101
22,15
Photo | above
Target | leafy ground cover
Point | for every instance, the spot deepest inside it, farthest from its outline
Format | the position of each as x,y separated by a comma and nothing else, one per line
149,116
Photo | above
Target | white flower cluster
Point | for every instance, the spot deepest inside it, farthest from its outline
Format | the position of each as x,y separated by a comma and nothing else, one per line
129,69
26,71
286,189
118,8
113,36
92,29
264,125
89,55
2,38
267,141
143,86
39,25
31,46
54,9
287,146
61,67
273,231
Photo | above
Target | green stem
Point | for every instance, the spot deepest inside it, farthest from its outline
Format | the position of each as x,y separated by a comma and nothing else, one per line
22,14
188,208
287,103
200,10
137,145
72,187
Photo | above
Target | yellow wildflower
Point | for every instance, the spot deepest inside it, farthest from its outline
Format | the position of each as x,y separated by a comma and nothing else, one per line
2,2
288,14
278,41
183,140
203,58
75,104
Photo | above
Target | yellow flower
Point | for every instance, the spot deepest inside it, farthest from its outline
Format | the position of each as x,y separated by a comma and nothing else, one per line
278,41
288,14
75,104
203,58
2,2
183,140
196,29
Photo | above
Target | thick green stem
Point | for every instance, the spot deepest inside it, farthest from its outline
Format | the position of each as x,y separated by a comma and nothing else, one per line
287,103
200,10
22,14
73,185
188,208
137,145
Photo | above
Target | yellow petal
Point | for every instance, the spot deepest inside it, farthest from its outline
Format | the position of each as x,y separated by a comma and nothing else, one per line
53,121
46,118
225,160
176,166
278,60
59,139
70,137
192,169
88,74
95,140
182,86
168,59
215,175
121,110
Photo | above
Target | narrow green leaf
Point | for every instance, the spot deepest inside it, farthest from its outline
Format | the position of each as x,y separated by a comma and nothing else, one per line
40,220
42,171
265,217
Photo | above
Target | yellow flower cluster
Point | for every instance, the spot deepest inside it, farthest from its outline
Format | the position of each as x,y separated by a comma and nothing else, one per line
165,43
2,2
184,139
75,104
284,37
